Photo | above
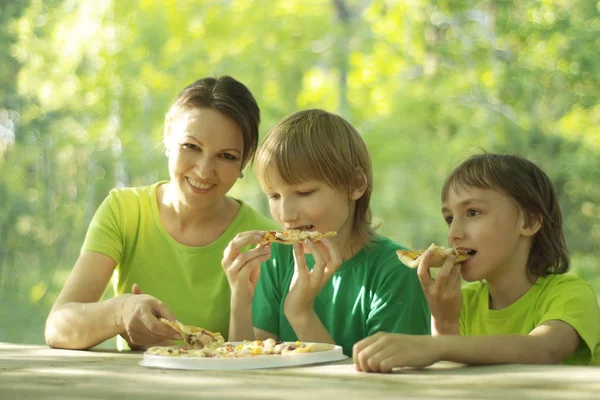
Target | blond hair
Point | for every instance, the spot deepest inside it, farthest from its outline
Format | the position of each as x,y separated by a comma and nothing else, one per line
318,145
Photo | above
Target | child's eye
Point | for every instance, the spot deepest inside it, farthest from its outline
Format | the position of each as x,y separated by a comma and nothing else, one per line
306,193
448,219
273,196
472,213
229,156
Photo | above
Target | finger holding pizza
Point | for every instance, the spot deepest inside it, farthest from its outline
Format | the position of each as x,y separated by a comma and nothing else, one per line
140,325
306,284
444,292
243,267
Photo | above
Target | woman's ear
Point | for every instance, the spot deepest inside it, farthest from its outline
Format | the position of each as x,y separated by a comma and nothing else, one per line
531,223
361,186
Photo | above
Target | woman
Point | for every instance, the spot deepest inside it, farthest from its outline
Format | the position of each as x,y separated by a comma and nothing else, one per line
167,239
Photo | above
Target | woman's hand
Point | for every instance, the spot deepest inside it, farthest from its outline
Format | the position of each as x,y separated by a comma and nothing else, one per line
383,351
243,268
305,285
443,294
139,320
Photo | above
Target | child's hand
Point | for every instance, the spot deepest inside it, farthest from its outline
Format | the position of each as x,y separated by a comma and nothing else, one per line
243,269
305,285
383,351
443,294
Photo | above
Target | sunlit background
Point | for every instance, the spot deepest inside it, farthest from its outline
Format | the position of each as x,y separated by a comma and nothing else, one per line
84,86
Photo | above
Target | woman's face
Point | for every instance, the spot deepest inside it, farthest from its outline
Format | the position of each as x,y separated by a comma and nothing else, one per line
205,157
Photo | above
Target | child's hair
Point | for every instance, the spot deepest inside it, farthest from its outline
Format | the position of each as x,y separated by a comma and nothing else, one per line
535,194
318,145
225,95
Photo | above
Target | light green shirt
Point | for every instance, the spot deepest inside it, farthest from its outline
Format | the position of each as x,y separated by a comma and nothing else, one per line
370,292
556,297
189,280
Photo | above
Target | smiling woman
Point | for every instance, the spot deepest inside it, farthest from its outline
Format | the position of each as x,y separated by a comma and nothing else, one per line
165,241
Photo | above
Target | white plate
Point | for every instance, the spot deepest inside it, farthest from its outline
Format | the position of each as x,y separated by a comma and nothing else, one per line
270,361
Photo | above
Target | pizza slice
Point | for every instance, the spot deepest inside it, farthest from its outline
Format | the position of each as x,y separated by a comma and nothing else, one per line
294,236
439,255
196,338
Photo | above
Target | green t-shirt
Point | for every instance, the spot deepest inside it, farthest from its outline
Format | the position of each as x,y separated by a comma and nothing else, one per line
189,280
555,297
370,292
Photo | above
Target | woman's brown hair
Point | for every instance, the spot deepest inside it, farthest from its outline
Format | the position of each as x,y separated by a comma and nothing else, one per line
227,96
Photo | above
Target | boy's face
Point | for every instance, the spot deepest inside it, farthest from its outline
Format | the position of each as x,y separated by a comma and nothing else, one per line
311,205
205,156
491,224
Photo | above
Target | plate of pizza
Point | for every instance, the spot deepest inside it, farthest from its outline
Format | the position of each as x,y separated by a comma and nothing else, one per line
206,350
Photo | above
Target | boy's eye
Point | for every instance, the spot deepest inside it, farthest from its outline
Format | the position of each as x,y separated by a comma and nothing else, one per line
229,156
448,219
273,196
472,213
306,193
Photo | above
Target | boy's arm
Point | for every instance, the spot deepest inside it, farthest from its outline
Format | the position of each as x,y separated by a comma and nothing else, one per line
549,343
310,329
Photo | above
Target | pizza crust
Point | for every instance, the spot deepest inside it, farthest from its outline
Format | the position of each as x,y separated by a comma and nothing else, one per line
294,236
439,254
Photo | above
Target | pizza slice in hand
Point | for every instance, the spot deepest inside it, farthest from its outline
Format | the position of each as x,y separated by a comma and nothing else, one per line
196,338
294,236
439,255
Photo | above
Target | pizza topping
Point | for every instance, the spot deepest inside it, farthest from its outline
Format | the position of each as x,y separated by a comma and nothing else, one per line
196,338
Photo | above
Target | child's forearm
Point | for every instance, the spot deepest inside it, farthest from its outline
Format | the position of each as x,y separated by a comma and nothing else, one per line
309,328
240,322
500,349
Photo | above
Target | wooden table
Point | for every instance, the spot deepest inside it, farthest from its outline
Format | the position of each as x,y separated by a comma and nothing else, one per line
38,372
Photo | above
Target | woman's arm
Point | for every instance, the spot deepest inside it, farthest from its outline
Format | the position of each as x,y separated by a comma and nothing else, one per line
78,320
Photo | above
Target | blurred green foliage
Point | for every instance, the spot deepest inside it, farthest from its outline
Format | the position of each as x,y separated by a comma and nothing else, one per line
84,86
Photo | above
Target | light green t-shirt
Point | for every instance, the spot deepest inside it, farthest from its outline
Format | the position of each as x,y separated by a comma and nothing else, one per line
556,297
370,292
189,280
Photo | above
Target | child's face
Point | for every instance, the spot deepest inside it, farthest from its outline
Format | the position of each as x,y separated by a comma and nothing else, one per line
312,205
205,156
491,224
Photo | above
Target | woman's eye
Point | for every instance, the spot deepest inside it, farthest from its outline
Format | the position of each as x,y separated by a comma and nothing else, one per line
229,157
189,146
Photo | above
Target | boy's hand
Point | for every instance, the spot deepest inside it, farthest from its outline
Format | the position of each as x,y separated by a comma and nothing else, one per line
243,269
383,351
305,285
443,294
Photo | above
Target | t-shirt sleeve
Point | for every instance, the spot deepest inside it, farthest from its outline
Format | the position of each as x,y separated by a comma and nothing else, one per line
399,304
266,304
574,302
104,234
